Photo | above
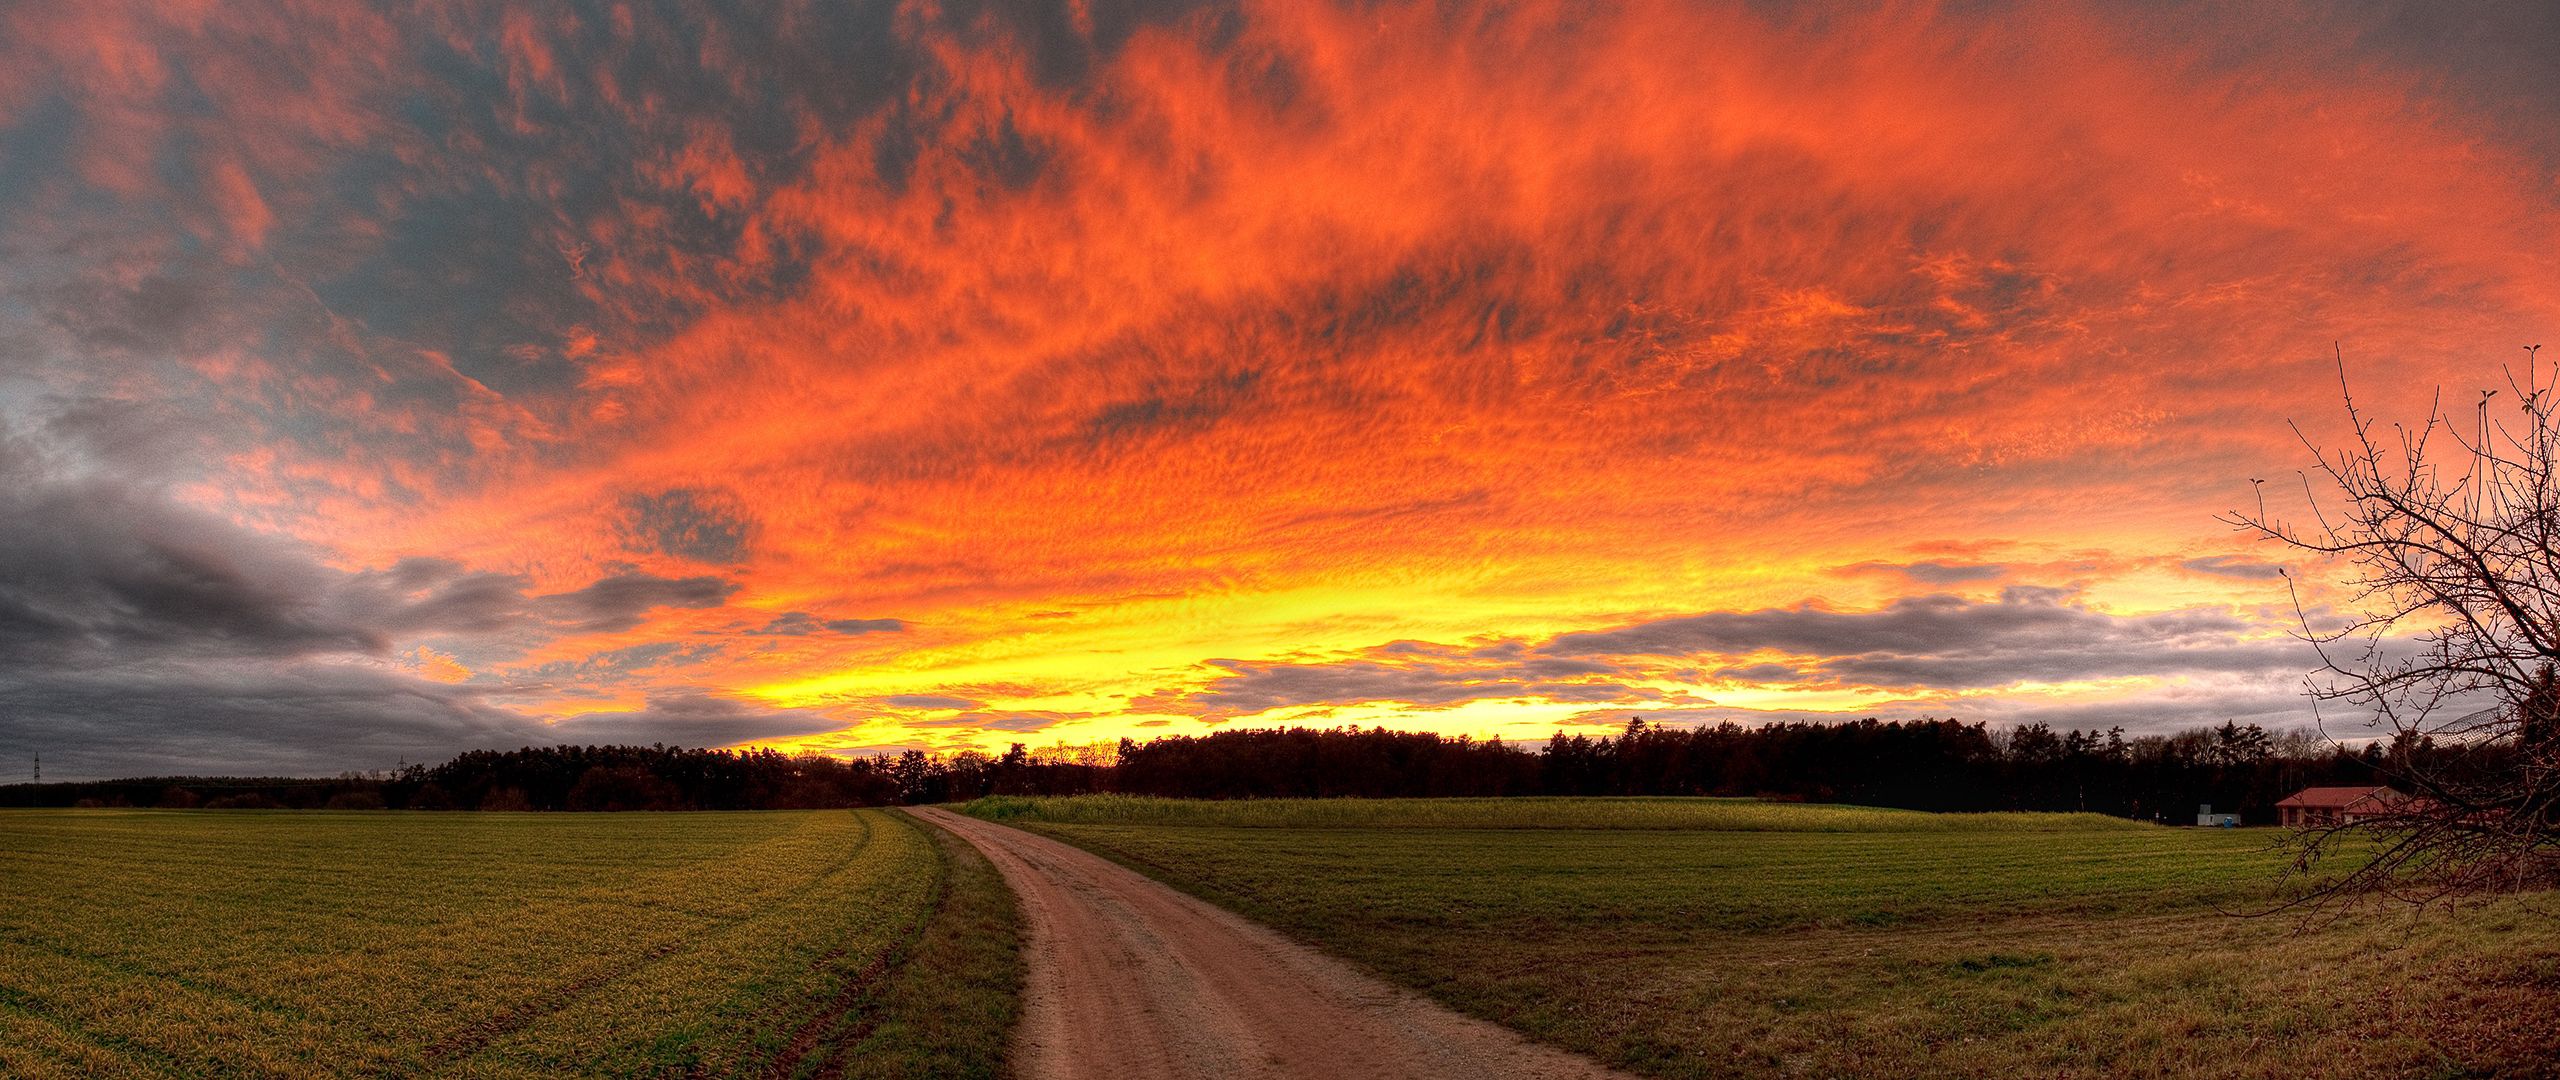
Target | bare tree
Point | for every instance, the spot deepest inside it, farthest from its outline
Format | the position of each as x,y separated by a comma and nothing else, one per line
2448,536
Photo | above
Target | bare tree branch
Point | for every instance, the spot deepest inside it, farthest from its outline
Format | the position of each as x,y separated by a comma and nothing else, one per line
2451,641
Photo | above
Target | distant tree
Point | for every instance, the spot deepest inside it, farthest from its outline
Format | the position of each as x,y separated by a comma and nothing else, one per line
2035,744
1013,771
2449,535
506,798
623,787
967,775
915,777
2235,746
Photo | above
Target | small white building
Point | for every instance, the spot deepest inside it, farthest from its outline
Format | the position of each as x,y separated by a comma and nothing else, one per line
2207,818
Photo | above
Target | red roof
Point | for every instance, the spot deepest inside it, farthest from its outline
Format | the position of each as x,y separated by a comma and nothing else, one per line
2340,798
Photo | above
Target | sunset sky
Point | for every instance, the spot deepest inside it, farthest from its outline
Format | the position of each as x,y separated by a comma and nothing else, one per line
382,382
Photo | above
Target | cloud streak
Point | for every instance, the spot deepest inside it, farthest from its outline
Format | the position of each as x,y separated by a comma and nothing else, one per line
1916,650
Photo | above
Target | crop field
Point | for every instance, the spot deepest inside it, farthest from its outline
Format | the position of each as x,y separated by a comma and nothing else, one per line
1712,938
199,943
1724,815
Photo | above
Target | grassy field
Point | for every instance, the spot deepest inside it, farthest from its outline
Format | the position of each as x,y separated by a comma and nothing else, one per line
1723,815
199,943
1820,941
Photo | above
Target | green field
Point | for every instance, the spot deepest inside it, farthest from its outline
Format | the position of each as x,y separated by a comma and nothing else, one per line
1718,938
1678,937
498,945
1723,815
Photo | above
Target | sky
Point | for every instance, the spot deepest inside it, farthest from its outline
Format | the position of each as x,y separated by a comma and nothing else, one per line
383,381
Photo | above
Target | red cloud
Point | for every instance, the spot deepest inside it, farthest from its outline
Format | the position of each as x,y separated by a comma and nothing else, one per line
1334,323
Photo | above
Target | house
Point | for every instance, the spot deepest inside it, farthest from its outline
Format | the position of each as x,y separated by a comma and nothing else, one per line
2207,818
2337,805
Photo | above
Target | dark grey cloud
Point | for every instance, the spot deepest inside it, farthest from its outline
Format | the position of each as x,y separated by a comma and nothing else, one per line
104,313
1933,572
2270,703
692,717
1018,723
928,701
799,623
2094,653
1249,687
792,624
427,595
93,569
1759,673
399,284
2234,566
1191,407
2021,621
424,595
689,524
2275,704
1023,723
1936,645
139,438
2503,56
623,600
139,634
612,667
1948,643
145,717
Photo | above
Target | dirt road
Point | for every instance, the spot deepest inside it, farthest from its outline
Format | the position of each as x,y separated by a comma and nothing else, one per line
1131,980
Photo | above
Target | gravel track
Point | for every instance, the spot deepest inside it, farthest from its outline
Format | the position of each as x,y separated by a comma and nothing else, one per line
1131,980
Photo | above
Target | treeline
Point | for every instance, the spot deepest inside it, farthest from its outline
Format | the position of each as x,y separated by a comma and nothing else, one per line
601,778
1923,764
1920,765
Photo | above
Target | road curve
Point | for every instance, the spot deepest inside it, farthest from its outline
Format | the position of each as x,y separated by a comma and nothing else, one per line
1130,980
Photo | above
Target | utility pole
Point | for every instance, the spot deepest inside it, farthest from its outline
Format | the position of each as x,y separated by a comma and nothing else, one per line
39,768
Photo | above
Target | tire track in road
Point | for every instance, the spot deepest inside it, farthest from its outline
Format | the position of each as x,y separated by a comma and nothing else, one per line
1131,980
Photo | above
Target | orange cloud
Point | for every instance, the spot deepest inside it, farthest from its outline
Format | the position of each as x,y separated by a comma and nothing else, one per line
1116,361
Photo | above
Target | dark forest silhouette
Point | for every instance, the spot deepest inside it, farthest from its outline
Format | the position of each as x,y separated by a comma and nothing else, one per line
1921,765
